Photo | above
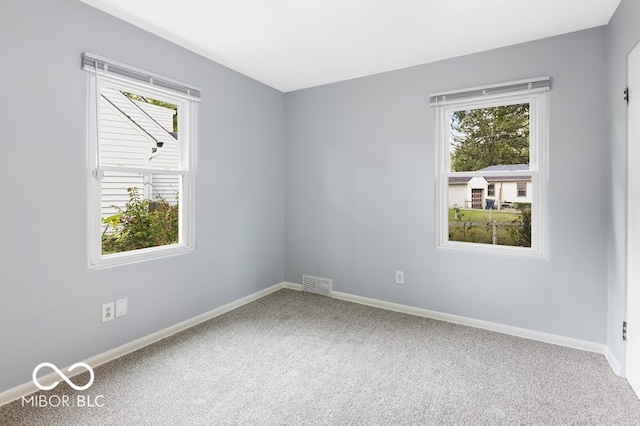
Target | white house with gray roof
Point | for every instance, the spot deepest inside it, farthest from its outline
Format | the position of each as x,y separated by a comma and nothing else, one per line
499,191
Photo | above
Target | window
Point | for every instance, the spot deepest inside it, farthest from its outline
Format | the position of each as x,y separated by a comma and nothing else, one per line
522,189
492,141
141,165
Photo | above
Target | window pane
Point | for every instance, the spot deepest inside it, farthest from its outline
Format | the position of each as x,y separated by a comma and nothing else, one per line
139,211
522,189
137,131
492,138
476,217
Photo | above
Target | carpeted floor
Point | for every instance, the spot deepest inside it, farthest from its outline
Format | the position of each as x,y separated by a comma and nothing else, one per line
298,358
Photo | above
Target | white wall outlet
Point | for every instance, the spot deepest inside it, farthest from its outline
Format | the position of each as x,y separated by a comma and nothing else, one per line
121,307
108,311
399,277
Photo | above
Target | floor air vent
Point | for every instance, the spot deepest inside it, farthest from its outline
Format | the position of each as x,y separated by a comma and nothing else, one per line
317,285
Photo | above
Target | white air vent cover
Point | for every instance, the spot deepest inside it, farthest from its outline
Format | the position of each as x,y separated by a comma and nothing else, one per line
317,285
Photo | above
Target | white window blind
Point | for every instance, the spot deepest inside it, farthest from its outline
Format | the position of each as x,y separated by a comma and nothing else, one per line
94,63
515,87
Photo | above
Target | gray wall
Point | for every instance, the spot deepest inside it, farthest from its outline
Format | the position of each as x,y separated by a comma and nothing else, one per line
359,179
359,190
623,33
49,301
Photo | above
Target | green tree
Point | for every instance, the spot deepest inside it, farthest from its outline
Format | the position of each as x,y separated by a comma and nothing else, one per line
489,136
141,224
521,234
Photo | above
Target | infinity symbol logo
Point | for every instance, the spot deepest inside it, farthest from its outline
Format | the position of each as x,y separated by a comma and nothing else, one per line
62,376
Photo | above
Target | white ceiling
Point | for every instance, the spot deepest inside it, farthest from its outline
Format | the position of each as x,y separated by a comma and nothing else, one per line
295,44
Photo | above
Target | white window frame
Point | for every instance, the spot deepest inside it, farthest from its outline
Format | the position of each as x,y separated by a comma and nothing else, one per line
187,116
538,141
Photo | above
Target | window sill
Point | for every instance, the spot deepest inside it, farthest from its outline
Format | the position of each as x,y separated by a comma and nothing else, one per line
141,255
488,249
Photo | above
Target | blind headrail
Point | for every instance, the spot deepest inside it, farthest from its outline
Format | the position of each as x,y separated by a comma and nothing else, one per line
95,63
521,86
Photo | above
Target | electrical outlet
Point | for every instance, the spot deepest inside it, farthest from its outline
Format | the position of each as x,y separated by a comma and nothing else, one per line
108,311
399,277
121,307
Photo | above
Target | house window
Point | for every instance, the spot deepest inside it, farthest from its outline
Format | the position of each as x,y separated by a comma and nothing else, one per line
142,140
522,189
500,138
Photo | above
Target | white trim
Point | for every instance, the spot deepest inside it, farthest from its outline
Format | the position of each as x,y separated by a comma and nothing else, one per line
112,354
632,227
187,142
525,333
538,171
140,255
97,360
471,322
143,170
613,362
292,286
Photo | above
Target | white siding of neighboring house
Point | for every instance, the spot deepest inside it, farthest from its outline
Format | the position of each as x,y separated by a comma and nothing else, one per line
510,192
458,195
122,143
476,182
164,116
164,186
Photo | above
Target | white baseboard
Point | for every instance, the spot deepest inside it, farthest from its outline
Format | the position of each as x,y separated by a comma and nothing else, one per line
97,360
485,325
570,342
613,362
292,286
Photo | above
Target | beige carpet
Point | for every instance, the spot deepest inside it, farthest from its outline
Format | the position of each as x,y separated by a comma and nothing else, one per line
298,358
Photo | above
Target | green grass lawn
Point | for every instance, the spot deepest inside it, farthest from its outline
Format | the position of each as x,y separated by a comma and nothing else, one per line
484,233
